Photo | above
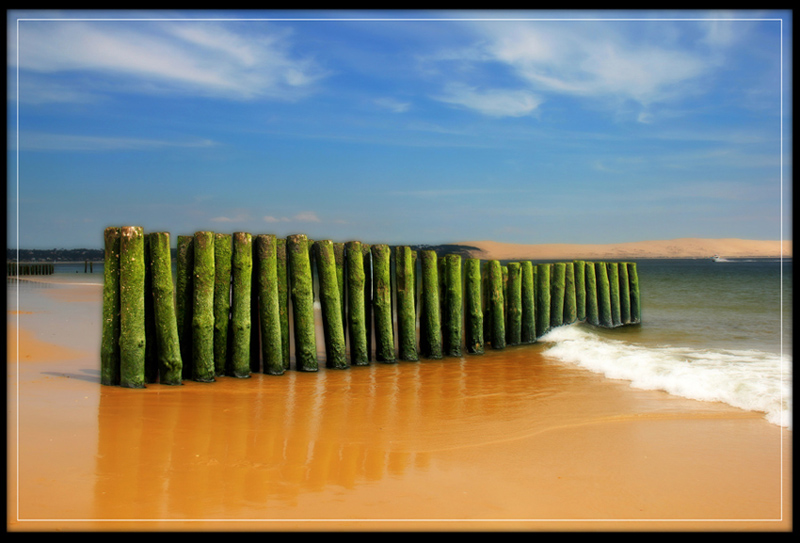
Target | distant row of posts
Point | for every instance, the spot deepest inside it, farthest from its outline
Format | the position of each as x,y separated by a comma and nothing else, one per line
14,269
227,311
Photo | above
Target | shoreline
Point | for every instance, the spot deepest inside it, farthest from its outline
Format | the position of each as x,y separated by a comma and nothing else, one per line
527,445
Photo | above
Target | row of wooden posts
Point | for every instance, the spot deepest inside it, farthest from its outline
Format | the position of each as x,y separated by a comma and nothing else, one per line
29,268
227,313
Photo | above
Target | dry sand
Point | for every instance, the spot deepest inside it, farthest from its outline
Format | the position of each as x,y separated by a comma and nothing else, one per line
674,248
506,441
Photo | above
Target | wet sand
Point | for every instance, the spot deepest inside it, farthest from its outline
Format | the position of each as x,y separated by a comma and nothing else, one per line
506,441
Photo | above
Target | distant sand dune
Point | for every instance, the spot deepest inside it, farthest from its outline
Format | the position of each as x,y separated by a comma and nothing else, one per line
673,248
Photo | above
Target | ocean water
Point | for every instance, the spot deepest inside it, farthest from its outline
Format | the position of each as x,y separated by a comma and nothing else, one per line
710,331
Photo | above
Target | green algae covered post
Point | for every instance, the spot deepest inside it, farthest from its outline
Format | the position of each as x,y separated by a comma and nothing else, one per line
331,305
528,332
338,255
557,291
580,289
170,363
184,299
266,254
241,303
132,327
570,296
430,319
109,344
382,303
283,299
203,308
514,304
356,314
150,355
543,298
454,316
592,309
406,311
255,321
603,294
302,294
496,305
624,294
636,302
366,251
474,306
223,252
613,287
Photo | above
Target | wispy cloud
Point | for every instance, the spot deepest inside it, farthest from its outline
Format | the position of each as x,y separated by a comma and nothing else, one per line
492,102
393,105
204,58
304,216
40,141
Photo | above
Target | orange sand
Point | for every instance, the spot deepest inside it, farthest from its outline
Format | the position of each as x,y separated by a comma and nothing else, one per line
675,248
505,441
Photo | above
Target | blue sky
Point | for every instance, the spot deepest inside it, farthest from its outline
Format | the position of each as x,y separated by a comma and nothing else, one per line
400,127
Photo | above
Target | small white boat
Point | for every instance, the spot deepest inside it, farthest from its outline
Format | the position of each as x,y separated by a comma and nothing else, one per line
716,258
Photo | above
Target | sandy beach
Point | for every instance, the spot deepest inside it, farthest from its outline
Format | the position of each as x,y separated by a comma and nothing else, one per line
674,248
506,441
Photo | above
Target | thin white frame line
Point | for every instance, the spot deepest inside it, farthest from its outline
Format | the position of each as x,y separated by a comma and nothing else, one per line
780,20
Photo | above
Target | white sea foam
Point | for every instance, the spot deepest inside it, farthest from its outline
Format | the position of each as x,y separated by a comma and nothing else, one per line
748,379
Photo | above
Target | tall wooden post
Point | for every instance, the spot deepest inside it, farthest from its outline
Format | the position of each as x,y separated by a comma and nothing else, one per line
132,326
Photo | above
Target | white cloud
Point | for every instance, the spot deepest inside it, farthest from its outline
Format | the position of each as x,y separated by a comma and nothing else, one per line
492,102
188,56
393,105
42,141
305,216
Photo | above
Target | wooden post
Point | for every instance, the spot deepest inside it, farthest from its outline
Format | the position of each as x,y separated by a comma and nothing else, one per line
430,321
366,252
241,303
132,327
474,306
203,308
223,252
624,293
557,291
528,332
497,305
356,314
603,294
613,284
109,346
636,302
338,255
150,354
331,304
543,299
184,300
255,320
514,291
170,363
570,296
302,294
382,304
454,317
592,309
266,250
283,300
580,289
406,312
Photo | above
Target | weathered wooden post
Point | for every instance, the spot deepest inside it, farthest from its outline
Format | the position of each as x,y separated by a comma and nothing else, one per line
455,301
109,347
203,308
150,354
473,306
132,327
382,304
430,321
624,293
338,255
580,289
170,363
496,305
592,308
356,314
184,300
266,249
514,291
636,302
570,296
241,303
283,300
528,332
330,303
255,320
302,294
613,284
557,291
366,251
406,313
223,254
603,294
542,299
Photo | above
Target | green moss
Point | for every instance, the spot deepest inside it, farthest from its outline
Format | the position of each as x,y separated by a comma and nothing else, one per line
543,299
592,309
302,295
184,300
109,346
266,255
283,300
170,363
514,304
453,336
636,302
406,311
497,305
203,308
356,314
603,294
613,284
430,321
473,306
528,332
330,302
382,304
580,289
132,327
222,300
570,296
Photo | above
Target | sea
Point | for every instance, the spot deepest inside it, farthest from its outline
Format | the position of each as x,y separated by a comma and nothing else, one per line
710,331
